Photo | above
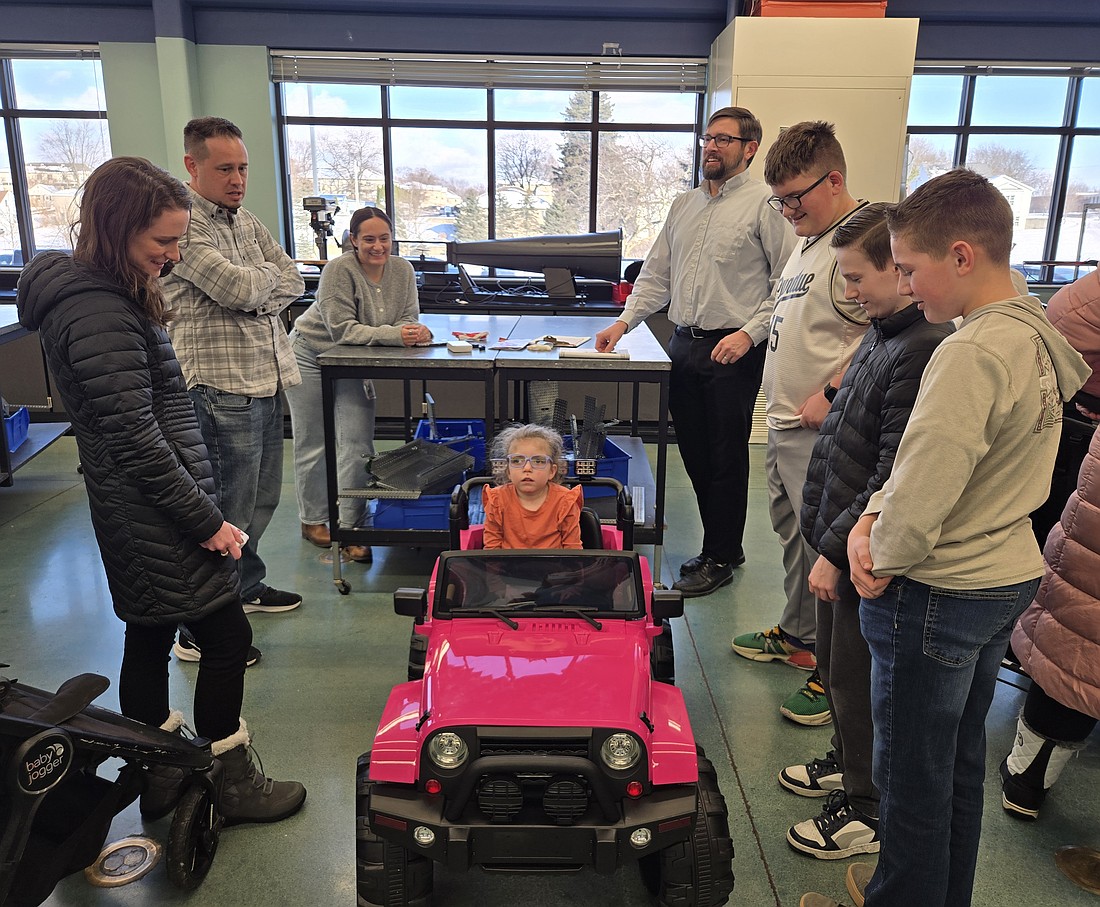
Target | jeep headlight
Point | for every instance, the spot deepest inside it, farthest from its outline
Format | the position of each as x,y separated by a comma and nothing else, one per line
620,751
448,750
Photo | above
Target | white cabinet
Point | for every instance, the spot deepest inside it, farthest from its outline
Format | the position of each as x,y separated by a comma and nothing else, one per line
854,73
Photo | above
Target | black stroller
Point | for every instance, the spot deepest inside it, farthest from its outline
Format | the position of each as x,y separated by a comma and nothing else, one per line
55,811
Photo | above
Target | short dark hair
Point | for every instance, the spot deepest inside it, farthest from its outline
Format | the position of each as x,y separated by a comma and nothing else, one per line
746,121
866,232
122,197
364,214
804,148
957,205
198,130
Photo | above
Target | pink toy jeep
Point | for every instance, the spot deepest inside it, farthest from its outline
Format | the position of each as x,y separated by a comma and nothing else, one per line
538,736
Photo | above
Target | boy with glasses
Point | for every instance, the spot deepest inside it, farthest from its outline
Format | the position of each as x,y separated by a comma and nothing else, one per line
814,333
715,264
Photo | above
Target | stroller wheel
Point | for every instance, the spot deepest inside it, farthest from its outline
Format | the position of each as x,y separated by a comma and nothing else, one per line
193,838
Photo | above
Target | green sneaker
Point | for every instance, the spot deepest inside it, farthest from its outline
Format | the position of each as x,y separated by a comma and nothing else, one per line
770,646
808,705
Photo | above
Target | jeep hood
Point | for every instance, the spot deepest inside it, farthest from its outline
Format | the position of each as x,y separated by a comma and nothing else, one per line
559,672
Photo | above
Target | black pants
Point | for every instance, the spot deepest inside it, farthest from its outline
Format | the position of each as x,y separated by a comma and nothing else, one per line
711,406
844,662
1053,720
223,637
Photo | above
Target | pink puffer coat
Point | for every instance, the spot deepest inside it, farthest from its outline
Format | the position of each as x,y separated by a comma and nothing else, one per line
1058,637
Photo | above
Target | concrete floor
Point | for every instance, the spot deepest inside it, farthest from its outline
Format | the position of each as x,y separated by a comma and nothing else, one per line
315,699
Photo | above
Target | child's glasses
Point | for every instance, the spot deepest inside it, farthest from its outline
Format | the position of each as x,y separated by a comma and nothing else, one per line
519,461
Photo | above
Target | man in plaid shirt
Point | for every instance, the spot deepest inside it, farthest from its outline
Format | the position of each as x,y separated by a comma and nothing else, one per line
227,292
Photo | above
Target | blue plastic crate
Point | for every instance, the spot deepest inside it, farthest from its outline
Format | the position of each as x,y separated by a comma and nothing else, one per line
464,435
429,511
16,428
614,464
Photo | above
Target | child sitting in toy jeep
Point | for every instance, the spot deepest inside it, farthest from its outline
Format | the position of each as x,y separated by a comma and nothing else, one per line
530,508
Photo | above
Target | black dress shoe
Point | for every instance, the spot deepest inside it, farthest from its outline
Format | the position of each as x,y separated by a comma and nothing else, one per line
695,564
710,576
692,566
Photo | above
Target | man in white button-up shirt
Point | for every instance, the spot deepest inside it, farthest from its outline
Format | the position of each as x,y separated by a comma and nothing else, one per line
715,263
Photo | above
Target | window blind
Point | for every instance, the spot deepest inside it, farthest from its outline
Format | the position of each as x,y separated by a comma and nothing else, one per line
610,73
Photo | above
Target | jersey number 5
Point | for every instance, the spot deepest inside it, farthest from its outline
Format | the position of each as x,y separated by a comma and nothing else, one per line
776,321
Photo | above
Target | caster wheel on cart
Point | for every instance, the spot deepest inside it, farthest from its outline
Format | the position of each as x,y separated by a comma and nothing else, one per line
343,586
193,838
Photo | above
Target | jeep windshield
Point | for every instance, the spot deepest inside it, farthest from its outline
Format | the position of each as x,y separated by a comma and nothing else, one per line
516,584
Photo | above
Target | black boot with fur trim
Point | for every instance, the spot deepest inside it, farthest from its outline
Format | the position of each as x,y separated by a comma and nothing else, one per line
247,795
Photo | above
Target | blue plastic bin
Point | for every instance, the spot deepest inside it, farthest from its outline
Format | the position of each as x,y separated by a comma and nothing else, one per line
429,511
614,464
464,435
16,428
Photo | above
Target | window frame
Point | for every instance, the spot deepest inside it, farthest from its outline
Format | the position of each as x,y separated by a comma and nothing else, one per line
10,116
1067,133
491,126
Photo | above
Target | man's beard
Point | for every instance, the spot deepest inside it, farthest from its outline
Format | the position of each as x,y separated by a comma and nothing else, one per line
718,167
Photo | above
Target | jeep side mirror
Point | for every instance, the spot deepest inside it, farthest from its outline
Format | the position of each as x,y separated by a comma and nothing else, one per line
667,603
414,603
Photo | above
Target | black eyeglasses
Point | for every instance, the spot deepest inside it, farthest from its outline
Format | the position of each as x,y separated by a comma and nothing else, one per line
721,141
794,200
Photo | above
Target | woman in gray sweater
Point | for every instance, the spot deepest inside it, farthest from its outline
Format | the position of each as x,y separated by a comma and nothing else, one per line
365,297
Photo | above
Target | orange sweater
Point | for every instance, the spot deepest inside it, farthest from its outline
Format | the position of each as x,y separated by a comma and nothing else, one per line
556,524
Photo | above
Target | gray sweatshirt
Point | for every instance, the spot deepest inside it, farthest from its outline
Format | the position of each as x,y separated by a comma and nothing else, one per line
978,452
352,310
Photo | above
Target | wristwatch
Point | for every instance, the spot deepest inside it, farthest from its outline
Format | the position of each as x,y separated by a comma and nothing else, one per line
830,392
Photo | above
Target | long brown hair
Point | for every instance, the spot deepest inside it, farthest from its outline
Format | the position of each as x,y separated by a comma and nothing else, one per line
122,197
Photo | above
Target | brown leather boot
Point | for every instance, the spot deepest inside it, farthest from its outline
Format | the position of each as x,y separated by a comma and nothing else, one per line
359,553
317,534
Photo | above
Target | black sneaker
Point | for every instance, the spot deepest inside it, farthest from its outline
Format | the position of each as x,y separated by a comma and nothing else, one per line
272,601
186,649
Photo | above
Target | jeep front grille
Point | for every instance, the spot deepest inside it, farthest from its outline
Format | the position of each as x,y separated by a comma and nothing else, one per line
547,746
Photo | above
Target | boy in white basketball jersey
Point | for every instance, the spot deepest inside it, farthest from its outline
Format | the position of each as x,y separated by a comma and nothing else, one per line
814,334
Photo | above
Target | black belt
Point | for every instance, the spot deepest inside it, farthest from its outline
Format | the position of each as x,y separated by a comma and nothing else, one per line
699,334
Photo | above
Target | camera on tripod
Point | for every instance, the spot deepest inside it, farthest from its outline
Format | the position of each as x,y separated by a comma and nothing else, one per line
321,210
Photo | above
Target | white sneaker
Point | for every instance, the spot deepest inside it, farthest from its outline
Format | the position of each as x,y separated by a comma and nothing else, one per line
840,831
817,778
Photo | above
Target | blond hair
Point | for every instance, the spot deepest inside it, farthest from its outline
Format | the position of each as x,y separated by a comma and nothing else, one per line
502,446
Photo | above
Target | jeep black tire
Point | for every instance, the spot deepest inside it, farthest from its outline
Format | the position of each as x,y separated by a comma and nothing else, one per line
386,875
662,658
697,872
418,652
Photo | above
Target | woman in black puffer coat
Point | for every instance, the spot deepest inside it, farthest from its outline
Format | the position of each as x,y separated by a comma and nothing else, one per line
164,543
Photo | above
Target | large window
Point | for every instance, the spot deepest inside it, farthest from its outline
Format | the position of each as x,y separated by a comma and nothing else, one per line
1036,134
468,162
54,119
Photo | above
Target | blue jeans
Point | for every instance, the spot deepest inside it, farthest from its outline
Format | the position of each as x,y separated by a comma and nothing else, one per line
934,659
354,412
244,437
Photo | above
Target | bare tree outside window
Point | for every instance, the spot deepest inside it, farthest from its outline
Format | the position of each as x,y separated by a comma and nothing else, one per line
352,163
73,149
525,168
639,176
